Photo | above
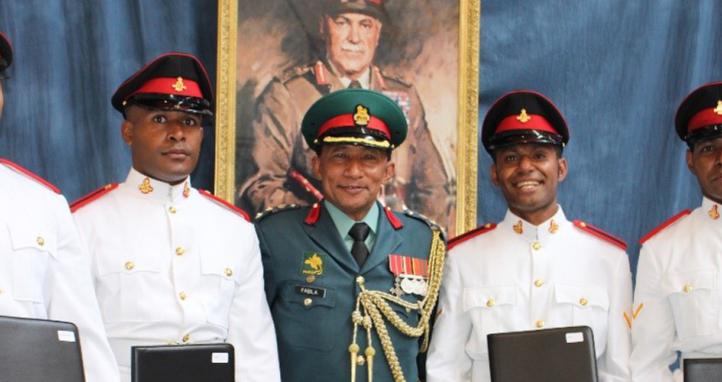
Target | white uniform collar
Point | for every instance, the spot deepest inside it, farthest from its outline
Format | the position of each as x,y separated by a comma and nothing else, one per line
712,210
520,227
146,186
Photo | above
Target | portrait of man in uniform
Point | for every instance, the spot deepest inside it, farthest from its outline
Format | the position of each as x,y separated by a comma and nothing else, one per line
291,53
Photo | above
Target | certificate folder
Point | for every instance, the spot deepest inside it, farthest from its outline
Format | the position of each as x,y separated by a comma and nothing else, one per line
183,363
549,355
702,369
33,350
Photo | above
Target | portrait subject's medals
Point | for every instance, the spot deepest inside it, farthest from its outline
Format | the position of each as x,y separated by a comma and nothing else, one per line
411,275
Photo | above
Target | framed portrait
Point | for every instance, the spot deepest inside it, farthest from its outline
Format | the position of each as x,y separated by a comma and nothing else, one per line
277,57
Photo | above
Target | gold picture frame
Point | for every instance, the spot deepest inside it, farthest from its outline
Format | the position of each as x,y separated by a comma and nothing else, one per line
466,150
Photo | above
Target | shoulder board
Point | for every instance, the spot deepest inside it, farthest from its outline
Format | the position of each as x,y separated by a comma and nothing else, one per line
586,227
664,225
224,203
294,72
29,174
85,200
432,224
272,210
471,234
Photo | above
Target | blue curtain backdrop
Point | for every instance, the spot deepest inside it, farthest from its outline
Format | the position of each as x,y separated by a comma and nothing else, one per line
617,69
70,56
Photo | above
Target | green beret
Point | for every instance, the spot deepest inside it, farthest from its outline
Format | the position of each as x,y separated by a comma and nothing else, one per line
355,116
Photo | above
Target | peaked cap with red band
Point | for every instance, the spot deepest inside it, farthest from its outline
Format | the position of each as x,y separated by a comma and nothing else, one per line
172,81
354,116
373,8
699,116
523,116
6,52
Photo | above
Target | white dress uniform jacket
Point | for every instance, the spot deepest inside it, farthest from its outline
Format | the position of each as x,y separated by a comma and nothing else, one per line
678,297
522,277
44,271
174,266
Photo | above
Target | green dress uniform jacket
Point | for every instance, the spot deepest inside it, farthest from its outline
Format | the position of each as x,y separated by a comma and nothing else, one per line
312,306
421,181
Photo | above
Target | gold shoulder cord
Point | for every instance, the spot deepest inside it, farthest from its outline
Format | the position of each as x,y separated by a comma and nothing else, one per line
372,306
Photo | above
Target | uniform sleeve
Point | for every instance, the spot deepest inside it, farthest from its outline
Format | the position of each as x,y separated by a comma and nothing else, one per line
447,360
269,284
72,298
614,366
250,328
275,130
653,330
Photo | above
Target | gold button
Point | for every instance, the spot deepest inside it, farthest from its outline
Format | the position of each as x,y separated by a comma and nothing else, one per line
538,283
360,360
687,288
583,301
310,278
490,302
180,251
182,295
40,241
129,265
582,224
539,324
186,338
307,301
360,280
172,209
229,272
536,245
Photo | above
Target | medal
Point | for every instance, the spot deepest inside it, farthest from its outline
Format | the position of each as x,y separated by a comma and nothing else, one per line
411,275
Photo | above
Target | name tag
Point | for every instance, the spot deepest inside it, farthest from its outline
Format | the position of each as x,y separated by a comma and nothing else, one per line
311,291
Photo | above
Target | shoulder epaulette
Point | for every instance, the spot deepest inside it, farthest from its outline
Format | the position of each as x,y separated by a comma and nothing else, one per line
225,204
471,234
664,225
586,227
382,76
294,72
272,210
85,200
432,224
29,174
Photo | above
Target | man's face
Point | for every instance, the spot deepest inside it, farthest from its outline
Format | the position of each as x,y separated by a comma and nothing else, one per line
164,144
352,176
528,175
351,41
704,160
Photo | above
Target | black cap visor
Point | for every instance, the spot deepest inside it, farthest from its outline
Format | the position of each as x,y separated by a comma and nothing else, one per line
172,102
517,137
703,134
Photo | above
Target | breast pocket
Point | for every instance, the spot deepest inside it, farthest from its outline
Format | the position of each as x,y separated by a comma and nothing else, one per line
125,287
308,321
491,310
32,253
588,306
222,278
694,299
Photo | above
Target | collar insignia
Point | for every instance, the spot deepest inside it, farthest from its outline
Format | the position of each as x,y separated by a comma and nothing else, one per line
713,212
553,226
518,228
186,190
146,187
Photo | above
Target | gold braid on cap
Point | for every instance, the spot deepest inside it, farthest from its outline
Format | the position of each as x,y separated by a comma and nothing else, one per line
373,306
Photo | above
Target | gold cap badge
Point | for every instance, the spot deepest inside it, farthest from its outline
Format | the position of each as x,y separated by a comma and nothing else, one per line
361,116
179,85
718,109
523,117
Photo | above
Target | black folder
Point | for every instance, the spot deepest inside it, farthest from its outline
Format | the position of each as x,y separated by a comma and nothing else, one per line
549,355
34,350
183,363
702,369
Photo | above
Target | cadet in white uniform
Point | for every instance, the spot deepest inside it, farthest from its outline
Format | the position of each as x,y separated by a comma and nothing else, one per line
44,271
677,297
173,264
536,269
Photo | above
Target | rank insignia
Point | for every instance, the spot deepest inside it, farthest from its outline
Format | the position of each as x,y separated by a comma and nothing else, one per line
145,187
312,264
411,275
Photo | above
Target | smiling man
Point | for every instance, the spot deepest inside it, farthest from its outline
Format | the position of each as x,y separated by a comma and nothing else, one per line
351,31
331,268
677,296
536,269
172,264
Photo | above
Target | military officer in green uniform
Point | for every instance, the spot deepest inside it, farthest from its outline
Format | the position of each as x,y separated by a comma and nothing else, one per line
351,30
351,284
